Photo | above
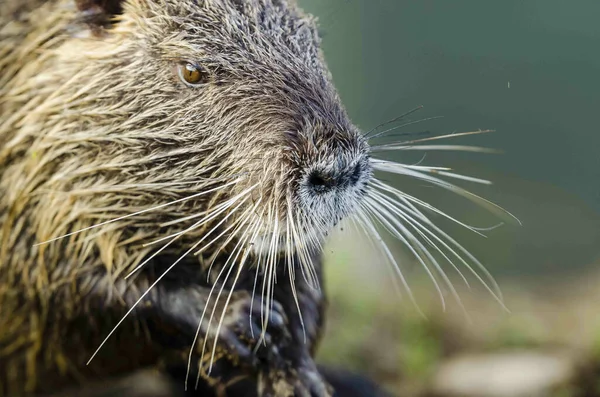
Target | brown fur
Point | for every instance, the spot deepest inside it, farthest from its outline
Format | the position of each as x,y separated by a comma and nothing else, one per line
104,149
95,125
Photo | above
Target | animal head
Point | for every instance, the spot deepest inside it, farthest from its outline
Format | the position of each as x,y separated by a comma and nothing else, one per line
213,123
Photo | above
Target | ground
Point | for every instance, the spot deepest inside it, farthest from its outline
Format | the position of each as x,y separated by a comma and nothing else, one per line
547,345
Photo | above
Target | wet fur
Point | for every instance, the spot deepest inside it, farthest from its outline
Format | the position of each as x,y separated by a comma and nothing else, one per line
96,125
140,215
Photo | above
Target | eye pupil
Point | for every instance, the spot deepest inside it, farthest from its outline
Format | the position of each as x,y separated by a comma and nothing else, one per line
192,74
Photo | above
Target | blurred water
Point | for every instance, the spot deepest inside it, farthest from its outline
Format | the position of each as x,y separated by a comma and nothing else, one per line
528,69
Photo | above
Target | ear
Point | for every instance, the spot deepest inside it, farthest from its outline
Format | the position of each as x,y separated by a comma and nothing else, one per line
99,14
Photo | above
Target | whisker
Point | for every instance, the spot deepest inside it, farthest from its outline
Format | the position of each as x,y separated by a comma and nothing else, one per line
306,269
425,168
258,267
370,231
359,227
406,212
234,255
377,213
265,278
395,168
489,228
139,300
275,257
187,218
196,336
408,133
380,185
291,268
440,171
223,312
402,212
312,244
219,209
401,230
197,224
240,222
420,161
138,213
404,125
464,177
397,118
272,262
457,148
448,136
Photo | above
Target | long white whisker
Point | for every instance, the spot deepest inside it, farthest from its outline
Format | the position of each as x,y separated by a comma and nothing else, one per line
395,119
219,209
402,230
302,252
267,277
464,177
275,257
379,212
370,230
196,336
402,212
138,213
454,148
382,186
272,262
305,267
358,226
446,136
397,169
237,275
291,267
425,167
258,270
314,244
139,300
246,215
496,292
404,125
232,258
444,172
180,234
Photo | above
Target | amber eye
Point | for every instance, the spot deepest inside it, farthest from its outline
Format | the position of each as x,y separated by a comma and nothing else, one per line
191,74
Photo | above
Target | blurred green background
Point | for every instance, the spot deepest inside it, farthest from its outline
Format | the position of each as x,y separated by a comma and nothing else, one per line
529,70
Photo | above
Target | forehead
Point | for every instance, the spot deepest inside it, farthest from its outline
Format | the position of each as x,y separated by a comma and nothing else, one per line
242,29
263,49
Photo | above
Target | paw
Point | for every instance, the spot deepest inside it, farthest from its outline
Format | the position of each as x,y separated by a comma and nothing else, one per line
245,332
301,381
310,383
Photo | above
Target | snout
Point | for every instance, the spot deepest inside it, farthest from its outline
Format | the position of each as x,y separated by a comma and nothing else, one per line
326,179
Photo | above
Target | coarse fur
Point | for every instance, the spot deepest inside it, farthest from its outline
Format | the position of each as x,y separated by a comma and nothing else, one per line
98,126
140,213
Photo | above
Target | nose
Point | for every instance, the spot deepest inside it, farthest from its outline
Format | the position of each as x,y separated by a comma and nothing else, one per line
322,181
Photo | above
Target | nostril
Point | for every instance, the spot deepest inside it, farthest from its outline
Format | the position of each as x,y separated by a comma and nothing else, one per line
319,181
356,173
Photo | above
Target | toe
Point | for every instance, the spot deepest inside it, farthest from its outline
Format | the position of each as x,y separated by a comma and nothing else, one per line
238,348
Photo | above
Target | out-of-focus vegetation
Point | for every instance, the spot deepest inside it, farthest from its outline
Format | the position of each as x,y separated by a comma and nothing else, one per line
553,327
528,70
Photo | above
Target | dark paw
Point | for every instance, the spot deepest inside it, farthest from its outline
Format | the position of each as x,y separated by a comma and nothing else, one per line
249,331
303,380
310,383
238,325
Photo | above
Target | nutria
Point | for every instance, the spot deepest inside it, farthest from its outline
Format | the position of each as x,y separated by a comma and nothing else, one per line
170,170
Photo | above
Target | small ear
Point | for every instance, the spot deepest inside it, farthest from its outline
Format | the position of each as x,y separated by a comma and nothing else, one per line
99,14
